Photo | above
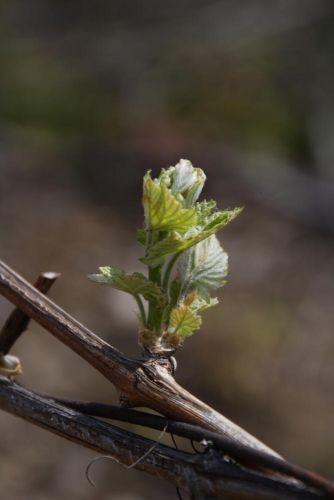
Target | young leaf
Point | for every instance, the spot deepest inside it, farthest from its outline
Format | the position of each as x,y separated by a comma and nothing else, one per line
199,302
204,210
175,242
204,265
183,321
195,190
163,211
188,181
135,284
184,176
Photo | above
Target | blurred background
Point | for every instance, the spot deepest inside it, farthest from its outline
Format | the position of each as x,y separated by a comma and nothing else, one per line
92,94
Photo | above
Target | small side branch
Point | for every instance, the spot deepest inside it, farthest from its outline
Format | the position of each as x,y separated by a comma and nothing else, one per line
18,321
106,359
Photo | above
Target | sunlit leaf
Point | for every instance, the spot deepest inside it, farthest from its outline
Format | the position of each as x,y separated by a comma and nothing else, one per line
163,211
195,190
184,176
135,284
183,321
204,265
200,302
175,242
166,176
204,209
218,220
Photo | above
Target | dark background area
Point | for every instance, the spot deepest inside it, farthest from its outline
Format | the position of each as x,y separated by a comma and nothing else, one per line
92,94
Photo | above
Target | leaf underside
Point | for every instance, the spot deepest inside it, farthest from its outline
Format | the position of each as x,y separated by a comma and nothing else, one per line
204,266
135,284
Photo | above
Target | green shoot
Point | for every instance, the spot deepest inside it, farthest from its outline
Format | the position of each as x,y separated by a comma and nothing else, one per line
184,258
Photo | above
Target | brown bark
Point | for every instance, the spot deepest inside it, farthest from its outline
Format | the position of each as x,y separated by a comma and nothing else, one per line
147,383
150,383
202,476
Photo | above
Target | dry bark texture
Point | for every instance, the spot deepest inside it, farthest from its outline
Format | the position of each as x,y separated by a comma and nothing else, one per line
235,466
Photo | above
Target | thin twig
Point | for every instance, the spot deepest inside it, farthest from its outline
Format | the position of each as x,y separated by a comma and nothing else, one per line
178,491
193,446
18,321
117,367
174,441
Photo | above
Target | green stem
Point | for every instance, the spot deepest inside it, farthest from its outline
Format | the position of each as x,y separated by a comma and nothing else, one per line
154,314
154,274
141,309
184,291
168,271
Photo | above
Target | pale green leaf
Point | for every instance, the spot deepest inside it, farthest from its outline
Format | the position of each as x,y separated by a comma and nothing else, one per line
183,321
195,190
173,243
202,304
199,301
204,209
204,265
189,181
176,243
184,176
163,211
166,176
135,284
218,220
